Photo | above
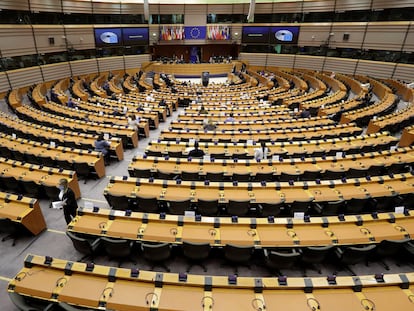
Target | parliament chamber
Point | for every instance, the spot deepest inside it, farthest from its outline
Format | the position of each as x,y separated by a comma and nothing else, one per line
258,155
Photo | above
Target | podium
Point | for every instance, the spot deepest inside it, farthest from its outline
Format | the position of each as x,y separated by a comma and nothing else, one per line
205,77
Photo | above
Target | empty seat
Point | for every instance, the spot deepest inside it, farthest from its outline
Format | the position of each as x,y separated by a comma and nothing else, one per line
313,255
238,255
207,207
88,247
280,259
351,255
238,208
118,248
157,254
147,205
178,207
196,253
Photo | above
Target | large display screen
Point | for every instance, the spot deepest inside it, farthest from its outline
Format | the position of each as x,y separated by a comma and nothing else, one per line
218,32
108,37
255,34
284,35
135,36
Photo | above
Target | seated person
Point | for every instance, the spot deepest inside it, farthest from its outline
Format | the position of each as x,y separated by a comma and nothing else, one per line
196,153
203,110
305,113
71,103
262,152
230,118
101,145
209,125
133,121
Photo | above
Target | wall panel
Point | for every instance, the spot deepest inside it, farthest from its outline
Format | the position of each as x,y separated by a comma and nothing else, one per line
56,71
14,5
16,40
254,59
172,8
309,62
25,77
385,36
313,35
132,8
281,60
4,84
409,41
288,7
85,66
106,8
42,35
347,5
45,6
80,37
111,63
342,65
222,8
263,8
404,72
383,4
318,6
135,61
355,32
375,69
77,6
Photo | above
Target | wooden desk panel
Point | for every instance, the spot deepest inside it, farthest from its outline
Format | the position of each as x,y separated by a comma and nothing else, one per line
258,232
84,290
24,210
37,282
175,298
130,296
127,293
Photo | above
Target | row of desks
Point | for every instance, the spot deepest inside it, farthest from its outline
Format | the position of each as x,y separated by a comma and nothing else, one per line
92,158
346,144
59,136
262,192
41,175
396,118
23,210
122,289
42,117
257,232
341,130
278,124
293,166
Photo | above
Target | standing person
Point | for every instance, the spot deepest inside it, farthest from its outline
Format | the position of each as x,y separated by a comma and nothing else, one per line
67,196
262,152
101,145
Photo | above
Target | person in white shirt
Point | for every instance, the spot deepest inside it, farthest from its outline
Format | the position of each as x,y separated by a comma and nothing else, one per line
262,152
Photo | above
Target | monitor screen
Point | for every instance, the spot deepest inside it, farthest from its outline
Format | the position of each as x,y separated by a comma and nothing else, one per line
255,34
108,37
284,34
135,36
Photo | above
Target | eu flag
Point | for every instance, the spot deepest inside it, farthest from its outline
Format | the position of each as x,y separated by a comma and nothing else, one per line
195,32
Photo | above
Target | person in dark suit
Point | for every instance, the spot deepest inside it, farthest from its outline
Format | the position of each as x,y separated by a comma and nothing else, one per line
196,153
67,196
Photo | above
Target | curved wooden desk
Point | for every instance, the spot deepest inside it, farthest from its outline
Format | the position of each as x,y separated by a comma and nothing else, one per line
64,137
128,134
176,166
41,175
305,148
256,232
24,146
120,289
256,192
24,210
309,133
407,137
